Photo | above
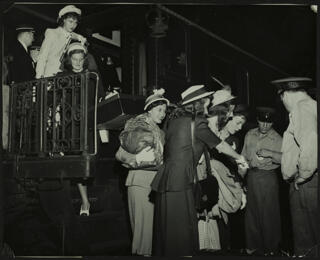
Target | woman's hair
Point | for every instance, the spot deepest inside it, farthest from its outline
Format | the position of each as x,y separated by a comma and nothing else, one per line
196,107
67,15
67,66
155,104
221,111
241,110
242,114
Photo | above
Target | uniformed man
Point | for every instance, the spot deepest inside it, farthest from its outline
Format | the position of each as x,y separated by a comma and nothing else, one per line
21,67
299,162
262,149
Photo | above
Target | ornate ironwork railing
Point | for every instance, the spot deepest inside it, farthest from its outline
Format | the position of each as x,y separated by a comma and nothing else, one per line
54,116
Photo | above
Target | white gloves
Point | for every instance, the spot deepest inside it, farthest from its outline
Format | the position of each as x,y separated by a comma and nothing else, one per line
145,155
242,162
79,38
243,200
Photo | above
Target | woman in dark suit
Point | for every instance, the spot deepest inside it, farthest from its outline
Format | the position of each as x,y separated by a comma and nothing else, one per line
176,224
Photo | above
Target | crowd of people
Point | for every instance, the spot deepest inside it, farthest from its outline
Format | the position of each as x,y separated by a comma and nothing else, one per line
62,52
183,188
188,180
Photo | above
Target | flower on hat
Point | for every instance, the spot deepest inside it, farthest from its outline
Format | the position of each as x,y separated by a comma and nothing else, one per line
156,96
159,92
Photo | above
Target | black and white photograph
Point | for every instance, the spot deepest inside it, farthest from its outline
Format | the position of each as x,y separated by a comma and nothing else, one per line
159,129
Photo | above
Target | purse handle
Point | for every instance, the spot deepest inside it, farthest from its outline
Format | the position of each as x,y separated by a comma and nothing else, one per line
192,144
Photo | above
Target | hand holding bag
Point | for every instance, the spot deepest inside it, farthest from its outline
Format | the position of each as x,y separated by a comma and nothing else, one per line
208,234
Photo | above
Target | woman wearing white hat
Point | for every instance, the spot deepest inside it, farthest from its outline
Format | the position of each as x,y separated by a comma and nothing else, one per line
176,224
57,40
141,151
76,62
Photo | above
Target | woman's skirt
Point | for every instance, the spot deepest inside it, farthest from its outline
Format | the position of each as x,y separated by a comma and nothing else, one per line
175,224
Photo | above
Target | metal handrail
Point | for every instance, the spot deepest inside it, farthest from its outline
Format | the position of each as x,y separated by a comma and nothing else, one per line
51,116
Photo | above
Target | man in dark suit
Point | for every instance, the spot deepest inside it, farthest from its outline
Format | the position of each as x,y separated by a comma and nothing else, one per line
22,68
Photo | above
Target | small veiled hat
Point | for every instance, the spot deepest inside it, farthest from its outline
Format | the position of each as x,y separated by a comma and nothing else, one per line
156,96
69,9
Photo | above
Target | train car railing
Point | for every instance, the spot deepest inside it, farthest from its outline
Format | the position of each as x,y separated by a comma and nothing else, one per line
54,118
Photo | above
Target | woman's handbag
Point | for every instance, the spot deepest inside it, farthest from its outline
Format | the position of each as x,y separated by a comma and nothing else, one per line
208,234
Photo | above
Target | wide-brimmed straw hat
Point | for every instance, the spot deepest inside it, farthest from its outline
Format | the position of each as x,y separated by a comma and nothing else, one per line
221,96
194,93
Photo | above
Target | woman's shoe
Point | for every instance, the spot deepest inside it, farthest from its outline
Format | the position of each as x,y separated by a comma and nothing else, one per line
84,212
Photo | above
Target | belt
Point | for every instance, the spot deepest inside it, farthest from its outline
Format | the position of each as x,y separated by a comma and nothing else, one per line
257,169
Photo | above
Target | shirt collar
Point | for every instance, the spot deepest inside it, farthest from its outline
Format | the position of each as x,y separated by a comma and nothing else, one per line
269,134
24,45
64,32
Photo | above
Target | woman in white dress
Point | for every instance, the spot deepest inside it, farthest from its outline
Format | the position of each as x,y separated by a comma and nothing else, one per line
57,40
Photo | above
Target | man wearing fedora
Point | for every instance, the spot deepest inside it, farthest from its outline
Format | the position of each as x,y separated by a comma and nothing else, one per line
299,161
21,67
262,149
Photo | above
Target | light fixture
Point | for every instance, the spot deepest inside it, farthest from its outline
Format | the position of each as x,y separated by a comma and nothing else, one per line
157,21
314,8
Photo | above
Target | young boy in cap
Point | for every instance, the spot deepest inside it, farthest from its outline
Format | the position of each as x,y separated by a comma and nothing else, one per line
56,42
299,161
262,149
21,67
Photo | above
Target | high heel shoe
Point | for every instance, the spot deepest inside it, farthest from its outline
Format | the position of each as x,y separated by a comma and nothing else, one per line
84,212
